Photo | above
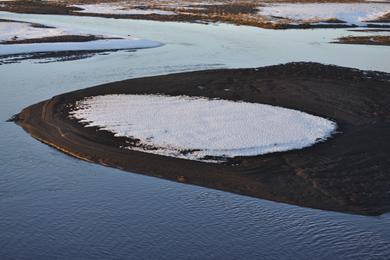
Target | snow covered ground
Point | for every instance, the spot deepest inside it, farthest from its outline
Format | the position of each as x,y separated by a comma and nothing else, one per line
194,127
20,31
352,13
118,8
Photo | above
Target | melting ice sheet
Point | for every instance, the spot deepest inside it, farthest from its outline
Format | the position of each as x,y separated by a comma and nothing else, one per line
195,128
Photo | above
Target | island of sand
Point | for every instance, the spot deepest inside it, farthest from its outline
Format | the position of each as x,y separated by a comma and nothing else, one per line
343,167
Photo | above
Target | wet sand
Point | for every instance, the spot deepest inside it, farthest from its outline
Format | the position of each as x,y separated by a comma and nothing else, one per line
48,57
348,173
61,38
34,25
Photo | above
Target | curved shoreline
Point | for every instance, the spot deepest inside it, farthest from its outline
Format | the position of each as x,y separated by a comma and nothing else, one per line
349,173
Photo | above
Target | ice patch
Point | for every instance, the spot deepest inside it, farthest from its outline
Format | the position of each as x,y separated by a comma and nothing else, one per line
195,128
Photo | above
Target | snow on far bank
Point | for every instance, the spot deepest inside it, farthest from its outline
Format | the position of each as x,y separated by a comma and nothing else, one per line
118,8
97,45
194,127
352,13
21,31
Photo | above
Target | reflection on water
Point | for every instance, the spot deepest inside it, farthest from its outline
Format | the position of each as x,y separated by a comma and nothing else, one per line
55,206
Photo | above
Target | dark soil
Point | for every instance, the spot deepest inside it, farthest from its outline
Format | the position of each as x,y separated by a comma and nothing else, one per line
47,57
37,7
382,19
348,173
35,25
366,40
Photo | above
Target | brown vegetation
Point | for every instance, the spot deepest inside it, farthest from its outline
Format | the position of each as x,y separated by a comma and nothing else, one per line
367,40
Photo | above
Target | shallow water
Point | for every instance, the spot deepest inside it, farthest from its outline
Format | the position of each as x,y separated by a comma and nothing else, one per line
55,207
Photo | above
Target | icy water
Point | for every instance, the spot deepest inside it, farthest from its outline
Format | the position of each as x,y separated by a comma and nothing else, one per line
55,207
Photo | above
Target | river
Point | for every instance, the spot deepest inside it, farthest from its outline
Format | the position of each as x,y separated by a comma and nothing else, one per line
53,206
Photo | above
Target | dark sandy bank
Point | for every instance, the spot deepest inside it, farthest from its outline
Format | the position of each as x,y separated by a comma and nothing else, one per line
365,40
348,173
61,38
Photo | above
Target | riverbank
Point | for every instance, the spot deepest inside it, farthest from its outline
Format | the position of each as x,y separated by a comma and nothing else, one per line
296,14
355,100
365,40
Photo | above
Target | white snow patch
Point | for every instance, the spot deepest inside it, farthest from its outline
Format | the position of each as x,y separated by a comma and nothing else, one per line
195,127
118,8
22,31
352,13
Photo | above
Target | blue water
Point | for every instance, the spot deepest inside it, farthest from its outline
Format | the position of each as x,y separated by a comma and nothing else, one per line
56,207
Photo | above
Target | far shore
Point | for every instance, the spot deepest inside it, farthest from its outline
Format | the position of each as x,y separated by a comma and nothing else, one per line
238,12
383,40
348,173
51,39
